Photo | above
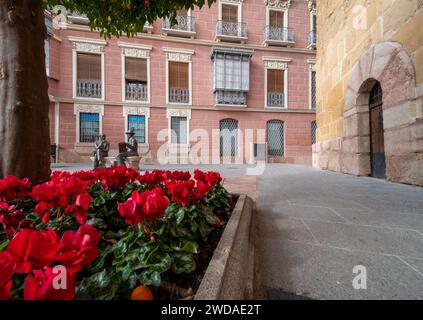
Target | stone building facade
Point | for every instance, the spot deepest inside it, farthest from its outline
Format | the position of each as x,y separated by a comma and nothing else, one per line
239,76
370,89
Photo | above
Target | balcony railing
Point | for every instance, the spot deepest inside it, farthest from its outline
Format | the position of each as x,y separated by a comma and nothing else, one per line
231,29
88,89
179,95
278,34
312,39
183,23
231,97
275,99
136,91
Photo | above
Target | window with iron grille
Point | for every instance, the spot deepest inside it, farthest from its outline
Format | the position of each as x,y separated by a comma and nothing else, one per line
136,79
178,82
231,76
138,123
88,75
313,132
228,137
313,90
89,127
275,88
275,138
179,130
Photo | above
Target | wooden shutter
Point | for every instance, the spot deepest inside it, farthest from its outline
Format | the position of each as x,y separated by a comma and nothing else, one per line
136,69
275,80
276,18
229,13
89,67
178,75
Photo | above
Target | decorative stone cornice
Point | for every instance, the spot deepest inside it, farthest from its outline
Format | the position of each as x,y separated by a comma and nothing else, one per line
135,53
179,113
140,111
312,64
280,4
89,108
276,63
87,44
177,56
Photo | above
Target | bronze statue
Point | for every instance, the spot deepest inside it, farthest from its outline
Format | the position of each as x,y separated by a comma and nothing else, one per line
101,150
128,149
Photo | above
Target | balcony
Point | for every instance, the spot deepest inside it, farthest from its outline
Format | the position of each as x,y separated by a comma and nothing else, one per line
136,91
88,89
276,99
178,95
234,98
278,36
148,27
231,31
183,27
312,40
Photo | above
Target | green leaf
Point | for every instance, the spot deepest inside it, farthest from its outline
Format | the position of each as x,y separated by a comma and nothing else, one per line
188,246
183,263
151,278
3,245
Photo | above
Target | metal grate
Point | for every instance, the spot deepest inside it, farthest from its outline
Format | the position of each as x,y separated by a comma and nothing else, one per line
275,138
376,95
178,126
182,23
313,90
138,123
272,33
89,127
228,137
313,132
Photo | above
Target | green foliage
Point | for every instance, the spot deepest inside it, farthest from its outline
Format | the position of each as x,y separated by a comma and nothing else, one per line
117,17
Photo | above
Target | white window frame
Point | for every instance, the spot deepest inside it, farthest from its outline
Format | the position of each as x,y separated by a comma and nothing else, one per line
138,51
285,15
87,108
275,63
312,68
92,46
237,3
137,111
179,55
178,113
47,42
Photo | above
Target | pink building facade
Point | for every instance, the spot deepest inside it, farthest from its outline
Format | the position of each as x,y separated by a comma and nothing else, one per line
234,82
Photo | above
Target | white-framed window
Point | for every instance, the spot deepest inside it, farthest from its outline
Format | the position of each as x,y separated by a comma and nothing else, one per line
276,82
49,26
178,76
230,11
277,16
88,122
312,84
231,77
137,118
88,68
179,124
275,131
135,73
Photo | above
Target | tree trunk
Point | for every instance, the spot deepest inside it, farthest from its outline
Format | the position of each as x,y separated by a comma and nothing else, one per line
24,102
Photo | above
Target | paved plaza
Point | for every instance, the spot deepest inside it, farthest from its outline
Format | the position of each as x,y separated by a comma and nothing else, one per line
314,227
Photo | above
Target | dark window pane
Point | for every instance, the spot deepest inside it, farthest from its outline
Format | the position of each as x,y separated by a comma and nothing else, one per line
89,127
138,123
178,126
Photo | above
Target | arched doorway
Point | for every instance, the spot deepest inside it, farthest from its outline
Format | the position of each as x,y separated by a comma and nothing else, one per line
377,140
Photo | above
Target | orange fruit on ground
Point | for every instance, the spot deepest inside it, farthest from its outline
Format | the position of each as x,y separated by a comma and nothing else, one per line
142,293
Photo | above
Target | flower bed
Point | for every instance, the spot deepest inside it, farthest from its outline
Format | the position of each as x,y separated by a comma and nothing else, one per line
101,234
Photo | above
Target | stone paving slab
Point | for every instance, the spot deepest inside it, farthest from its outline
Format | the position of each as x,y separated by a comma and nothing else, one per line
341,221
318,272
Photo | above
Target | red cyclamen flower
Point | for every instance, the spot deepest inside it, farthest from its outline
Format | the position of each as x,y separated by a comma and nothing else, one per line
7,269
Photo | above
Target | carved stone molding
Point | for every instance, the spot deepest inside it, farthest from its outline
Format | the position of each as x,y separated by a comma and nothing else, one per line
312,64
233,1
179,113
280,4
312,6
140,111
278,65
179,57
89,108
136,53
88,47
